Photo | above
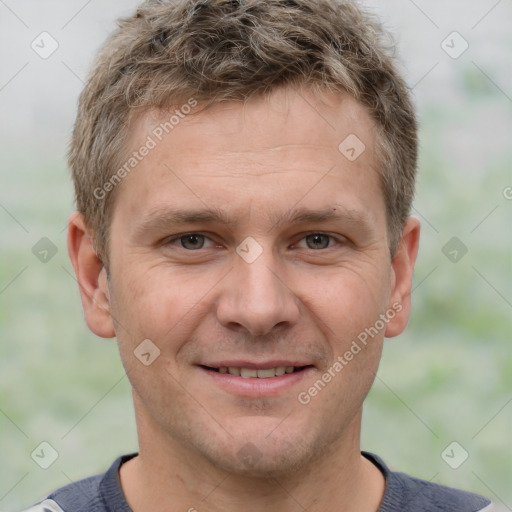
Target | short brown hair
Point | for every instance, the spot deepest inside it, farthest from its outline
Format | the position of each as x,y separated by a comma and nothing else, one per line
220,50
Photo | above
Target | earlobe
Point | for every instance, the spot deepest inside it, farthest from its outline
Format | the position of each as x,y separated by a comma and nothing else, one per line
91,276
402,271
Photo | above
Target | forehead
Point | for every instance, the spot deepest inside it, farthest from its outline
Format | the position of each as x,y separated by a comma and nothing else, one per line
296,118
266,154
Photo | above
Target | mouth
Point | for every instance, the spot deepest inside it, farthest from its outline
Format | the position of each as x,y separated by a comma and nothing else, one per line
257,380
255,372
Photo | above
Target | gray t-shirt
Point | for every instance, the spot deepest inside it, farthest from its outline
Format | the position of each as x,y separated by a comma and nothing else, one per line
103,493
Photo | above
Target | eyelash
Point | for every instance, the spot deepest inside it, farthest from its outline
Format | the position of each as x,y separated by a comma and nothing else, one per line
182,235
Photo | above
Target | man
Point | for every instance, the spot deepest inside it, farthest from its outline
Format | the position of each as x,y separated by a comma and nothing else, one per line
244,172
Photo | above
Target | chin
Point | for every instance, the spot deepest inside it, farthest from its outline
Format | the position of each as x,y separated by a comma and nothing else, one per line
264,454
251,461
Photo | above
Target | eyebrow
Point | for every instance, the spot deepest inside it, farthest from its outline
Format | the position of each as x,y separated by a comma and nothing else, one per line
163,218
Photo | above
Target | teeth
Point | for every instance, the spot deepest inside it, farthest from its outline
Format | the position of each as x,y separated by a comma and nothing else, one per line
265,374
248,373
253,373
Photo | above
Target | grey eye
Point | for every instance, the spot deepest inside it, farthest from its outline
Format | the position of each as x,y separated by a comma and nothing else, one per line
318,241
192,242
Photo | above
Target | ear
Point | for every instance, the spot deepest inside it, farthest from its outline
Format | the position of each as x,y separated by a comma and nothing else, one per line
402,268
91,276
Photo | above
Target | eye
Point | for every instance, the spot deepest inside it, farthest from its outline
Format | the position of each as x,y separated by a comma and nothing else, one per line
318,241
190,241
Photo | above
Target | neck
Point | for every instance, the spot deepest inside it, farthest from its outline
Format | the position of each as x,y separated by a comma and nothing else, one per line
166,475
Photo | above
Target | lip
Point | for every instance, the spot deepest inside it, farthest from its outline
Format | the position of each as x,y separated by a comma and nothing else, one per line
255,387
263,365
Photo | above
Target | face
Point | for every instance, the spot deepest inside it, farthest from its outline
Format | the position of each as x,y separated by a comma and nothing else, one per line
253,253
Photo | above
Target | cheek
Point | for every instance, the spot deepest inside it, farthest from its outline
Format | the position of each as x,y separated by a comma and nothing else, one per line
349,299
164,304
159,303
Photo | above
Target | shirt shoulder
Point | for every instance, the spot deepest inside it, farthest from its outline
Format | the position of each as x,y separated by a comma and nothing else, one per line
99,493
77,496
405,492
423,496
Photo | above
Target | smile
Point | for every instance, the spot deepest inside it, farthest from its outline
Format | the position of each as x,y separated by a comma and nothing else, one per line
256,373
256,380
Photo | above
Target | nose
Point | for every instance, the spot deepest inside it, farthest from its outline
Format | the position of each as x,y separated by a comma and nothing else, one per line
256,299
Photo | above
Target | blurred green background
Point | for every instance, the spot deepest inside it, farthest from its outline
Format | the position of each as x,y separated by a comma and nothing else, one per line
447,378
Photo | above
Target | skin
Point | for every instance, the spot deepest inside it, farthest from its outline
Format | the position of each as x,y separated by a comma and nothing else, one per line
304,298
